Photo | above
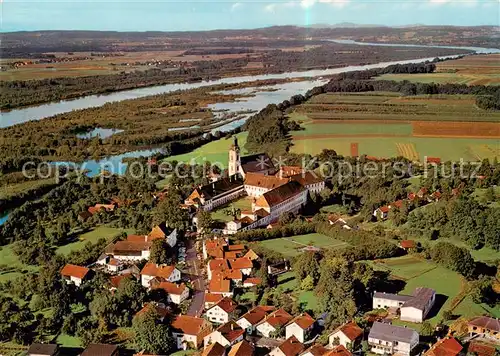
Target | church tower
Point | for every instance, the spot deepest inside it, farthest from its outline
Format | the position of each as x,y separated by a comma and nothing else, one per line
234,158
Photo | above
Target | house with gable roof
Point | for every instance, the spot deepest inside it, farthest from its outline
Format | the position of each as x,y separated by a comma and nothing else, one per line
300,327
390,339
250,319
289,347
75,274
273,322
223,311
227,334
348,335
189,331
165,272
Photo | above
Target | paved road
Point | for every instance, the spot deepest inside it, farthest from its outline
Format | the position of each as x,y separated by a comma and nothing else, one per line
195,269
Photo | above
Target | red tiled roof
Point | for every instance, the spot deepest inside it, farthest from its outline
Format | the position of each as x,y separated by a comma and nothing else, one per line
74,271
136,238
263,181
433,160
231,331
407,244
215,349
170,288
278,318
189,325
219,285
412,196
254,281
351,330
242,348
481,349
128,246
240,263
287,171
258,313
227,304
339,350
236,247
384,209
158,232
280,194
151,269
445,347
398,204
218,264
291,346
304,321
316,350
251,255
306,178
212,298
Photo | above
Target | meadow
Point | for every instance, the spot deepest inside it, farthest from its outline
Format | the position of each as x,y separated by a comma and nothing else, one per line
384,125
291,246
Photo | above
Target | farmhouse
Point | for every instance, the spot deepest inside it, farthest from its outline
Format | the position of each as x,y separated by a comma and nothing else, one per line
289,347
129,250
389,339
227,335
75,274
165,272
445,347
348,334
300,327
218,193
485,327
389,300
189,331
273,322
212,299
407,244
223,311
250,319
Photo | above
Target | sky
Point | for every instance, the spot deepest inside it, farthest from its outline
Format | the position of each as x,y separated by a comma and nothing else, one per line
179,15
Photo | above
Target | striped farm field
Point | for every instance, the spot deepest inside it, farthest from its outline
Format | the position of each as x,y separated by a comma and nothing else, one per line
407,150
456,129
386,125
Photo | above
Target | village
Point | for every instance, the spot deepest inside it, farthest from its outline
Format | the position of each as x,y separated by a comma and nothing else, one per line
203,285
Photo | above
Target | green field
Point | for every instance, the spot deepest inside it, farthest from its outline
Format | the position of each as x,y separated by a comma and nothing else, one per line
287,281
92,236
68,341
291,246
10,266
405,267
383,126
215,151
7,191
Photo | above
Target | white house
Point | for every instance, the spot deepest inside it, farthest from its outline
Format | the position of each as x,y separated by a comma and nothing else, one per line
129,250
227,334
75,274
222,312
210,196
189,331
347,335
417,308
413,307
389,300
389,339
152,270
163,232
250,319
177,293
272,322
257,184
300,327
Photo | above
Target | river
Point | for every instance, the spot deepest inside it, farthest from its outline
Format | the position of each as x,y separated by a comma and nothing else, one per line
18,116
261,97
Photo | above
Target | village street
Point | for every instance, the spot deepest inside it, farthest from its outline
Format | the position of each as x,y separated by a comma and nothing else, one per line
195,271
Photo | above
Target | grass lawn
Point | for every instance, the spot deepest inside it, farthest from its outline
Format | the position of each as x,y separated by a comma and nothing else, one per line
215,151
68,341
287,281
244,203
335,208
248,296
310,300
340,128
441,78
469,309
479,193
291,246
23,187
93,236
405,267
13,268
